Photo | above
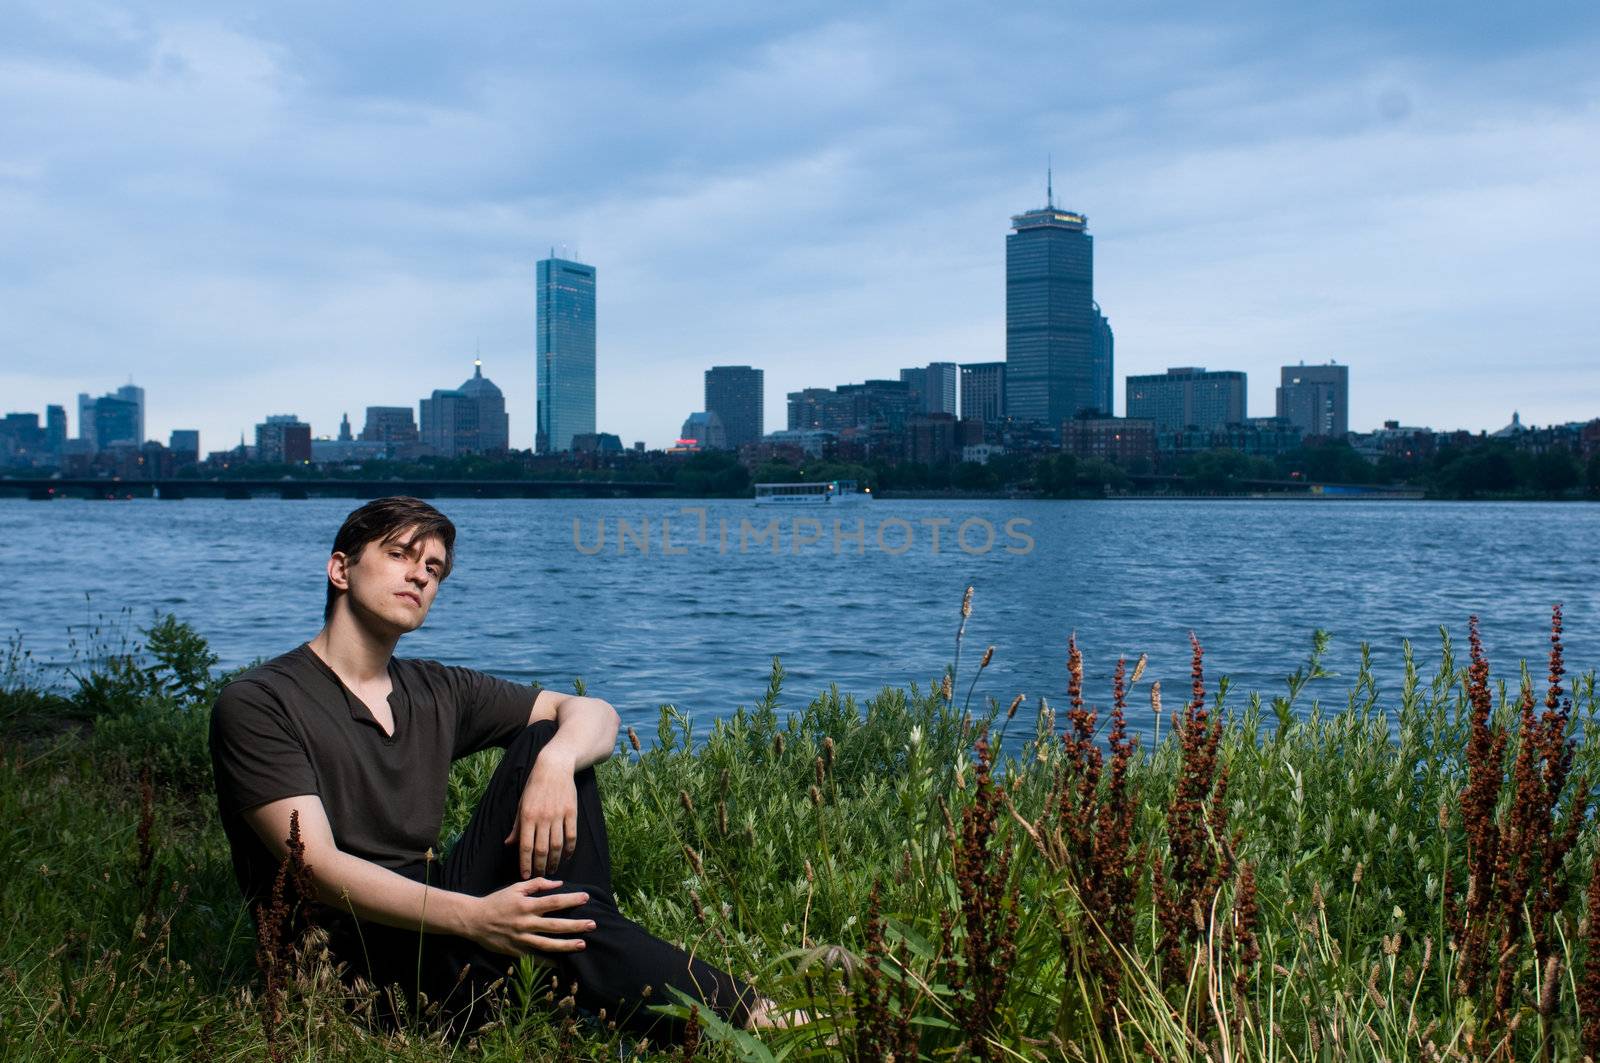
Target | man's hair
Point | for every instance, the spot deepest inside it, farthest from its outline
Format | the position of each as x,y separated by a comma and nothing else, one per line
384,520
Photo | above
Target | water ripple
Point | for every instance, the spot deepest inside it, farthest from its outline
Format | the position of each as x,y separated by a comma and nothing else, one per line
1252,579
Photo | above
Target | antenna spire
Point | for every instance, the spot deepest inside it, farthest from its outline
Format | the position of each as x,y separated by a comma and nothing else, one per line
1049,182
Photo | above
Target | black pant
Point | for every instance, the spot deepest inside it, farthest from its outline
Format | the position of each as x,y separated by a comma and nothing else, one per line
620,960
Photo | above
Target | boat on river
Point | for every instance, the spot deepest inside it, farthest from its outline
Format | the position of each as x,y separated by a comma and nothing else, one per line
817,493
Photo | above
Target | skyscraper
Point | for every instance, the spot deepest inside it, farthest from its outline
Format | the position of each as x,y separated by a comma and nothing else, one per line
116,421
1058,351
735,393
983,391
1188,397
1316,398
55,435
122,411
135,395
86,431
565,353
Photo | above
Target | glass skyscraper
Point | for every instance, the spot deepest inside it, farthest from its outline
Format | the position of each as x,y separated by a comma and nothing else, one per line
1058,344
565,354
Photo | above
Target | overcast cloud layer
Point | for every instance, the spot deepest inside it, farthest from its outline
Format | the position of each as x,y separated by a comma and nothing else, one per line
305,209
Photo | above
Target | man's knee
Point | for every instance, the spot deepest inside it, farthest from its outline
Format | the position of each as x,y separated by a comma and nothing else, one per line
588,784
532,739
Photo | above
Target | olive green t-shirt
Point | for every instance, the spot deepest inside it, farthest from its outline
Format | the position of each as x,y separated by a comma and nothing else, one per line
290,727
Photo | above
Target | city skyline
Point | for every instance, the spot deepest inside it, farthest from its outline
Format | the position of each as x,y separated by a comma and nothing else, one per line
1313,400
1170,416
263,212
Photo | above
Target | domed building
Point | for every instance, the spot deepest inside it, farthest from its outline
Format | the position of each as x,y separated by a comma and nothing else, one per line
469,420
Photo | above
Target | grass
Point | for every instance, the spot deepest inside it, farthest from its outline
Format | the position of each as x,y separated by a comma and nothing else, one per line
1280,878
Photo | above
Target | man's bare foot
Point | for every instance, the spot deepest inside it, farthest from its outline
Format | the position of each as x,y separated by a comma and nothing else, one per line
765,1016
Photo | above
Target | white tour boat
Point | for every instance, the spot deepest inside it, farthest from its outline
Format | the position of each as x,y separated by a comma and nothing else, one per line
820,493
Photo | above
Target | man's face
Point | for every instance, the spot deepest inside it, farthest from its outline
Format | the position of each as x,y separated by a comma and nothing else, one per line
393,582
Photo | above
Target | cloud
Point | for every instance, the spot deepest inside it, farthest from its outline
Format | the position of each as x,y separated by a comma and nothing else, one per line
312,209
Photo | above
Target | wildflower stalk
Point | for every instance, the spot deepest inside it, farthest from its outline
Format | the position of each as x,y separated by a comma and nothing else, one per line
980,955
988,655
1517,842
1199,854
961,631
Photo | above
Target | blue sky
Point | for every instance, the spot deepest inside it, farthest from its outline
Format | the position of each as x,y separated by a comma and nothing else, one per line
310,208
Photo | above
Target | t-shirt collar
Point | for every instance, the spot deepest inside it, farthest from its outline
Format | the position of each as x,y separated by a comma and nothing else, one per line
354,705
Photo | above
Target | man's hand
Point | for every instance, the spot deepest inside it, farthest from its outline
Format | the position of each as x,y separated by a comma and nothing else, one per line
546,829
514,922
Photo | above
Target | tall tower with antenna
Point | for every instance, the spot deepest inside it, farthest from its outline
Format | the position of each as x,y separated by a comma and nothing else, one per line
1058,343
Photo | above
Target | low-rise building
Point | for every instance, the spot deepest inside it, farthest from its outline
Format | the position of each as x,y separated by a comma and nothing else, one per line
1259,436
283,437
1115,439
703,431
1188,397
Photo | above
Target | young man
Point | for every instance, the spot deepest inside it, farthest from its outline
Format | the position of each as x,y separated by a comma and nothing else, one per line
359,743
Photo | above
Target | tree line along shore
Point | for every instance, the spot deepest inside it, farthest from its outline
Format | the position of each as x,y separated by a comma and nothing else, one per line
1473,469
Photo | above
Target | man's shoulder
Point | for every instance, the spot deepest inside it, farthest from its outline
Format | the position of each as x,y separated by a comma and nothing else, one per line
439,683
423,664
268,680
455,675
427,666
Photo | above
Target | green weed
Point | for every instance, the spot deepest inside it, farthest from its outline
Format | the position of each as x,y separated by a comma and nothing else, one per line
1402,873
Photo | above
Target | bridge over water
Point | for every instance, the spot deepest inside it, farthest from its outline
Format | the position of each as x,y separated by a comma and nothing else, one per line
88,487
362,489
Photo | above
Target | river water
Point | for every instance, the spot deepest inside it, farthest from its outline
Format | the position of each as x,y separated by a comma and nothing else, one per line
693,614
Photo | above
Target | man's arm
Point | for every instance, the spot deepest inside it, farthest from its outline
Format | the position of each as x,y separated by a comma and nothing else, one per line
546,829
509,921
586,728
